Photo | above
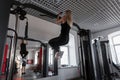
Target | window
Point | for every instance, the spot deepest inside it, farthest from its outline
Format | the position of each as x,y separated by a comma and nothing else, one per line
65,57
117,50
50,56
36,58
114,39
69,55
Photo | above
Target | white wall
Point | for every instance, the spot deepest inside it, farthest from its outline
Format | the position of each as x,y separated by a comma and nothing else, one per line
64,74
68,73
105,33
37,28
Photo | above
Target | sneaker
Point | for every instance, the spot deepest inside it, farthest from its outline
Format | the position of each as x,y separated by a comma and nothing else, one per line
59,54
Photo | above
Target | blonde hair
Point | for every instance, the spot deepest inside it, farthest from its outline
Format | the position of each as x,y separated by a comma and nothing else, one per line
69,17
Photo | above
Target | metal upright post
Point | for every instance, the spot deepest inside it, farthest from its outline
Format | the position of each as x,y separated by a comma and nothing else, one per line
7,70
45,62
86,55
80,56
16,22
12,56
106,59
4,18
97,63
83,70
90,54
55,64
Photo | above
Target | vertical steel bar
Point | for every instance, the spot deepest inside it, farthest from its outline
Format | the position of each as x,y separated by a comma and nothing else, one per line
4,18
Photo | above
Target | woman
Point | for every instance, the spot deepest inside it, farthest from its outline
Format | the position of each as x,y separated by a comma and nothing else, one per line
63,38
23,53
23,50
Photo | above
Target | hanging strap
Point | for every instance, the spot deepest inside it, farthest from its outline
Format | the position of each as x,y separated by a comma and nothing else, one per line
26,30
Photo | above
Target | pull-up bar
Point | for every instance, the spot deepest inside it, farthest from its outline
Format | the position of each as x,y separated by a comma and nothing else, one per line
29,5
29,39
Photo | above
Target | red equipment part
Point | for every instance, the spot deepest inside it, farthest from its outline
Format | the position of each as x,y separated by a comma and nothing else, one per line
5,59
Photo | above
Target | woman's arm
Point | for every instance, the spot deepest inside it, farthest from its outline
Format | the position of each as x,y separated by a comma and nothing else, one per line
60,20
58,17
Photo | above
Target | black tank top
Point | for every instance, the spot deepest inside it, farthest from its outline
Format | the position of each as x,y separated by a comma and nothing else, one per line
65,29
23,47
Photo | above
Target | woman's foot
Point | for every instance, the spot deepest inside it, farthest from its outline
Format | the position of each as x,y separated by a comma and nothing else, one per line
59,54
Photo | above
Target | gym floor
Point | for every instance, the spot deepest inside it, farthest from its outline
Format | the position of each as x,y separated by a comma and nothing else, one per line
75,79
30,75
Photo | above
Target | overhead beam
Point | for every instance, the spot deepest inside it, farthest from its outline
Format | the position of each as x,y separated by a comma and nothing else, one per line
32,6
29,39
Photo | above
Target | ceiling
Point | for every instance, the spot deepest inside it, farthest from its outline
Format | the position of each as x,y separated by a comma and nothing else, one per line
95,15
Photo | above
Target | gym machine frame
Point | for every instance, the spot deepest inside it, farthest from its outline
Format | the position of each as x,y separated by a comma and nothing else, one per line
84,57
10,68
45,56
103,60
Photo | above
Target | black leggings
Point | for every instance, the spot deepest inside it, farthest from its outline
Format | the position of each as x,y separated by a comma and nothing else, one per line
24,53
58,41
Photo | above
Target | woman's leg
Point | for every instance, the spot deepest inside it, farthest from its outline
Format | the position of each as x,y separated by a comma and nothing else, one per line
23,69
23,53
54,43
59,41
